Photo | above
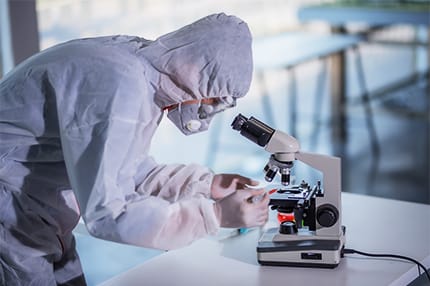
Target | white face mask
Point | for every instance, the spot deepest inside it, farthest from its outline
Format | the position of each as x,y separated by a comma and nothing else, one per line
195,117
186,118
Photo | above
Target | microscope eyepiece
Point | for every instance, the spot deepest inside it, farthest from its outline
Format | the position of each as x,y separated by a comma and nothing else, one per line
253,129
238,122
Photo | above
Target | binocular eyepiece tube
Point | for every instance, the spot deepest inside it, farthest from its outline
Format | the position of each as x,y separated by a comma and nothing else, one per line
259,133
253,129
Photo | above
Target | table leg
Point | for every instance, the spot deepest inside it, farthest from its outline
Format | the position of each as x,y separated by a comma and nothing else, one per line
428,78
338,97
338,89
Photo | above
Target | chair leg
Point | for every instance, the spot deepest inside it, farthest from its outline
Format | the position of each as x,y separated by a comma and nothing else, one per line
367,105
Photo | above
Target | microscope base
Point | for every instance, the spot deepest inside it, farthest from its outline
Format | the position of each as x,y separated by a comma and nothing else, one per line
298,251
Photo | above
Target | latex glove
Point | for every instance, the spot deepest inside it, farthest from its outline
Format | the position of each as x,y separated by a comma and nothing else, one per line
226,184
243,208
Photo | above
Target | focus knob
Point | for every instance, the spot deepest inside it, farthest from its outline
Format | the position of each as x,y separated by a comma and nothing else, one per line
288,227
327,215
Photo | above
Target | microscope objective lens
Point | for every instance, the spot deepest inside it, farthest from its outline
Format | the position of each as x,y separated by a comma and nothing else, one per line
270,175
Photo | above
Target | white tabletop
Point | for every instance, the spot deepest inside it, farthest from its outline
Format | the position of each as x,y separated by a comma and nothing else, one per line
373,225
290,49
372,13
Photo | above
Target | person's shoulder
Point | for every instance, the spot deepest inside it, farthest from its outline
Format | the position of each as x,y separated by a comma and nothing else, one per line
85,48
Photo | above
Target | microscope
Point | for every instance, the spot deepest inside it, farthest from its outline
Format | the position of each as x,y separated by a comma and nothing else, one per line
310,233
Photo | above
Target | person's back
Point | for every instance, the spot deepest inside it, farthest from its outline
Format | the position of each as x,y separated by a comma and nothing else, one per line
40,98
76,123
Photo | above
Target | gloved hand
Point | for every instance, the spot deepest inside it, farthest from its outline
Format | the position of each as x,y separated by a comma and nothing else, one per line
226,184
243,208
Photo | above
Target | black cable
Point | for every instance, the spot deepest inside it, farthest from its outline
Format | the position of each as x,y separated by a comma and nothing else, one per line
352,251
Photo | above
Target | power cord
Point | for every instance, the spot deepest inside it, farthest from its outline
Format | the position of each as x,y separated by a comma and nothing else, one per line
353,251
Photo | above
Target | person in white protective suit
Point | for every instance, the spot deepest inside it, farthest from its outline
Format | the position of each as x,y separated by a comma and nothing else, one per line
76,123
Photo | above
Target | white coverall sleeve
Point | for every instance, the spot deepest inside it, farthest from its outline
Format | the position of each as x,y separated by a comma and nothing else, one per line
170,208
124,196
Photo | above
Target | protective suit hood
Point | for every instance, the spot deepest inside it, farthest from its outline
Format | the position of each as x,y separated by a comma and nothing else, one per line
211,57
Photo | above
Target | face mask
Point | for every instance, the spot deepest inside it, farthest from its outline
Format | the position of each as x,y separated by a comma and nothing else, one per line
186,118
193,118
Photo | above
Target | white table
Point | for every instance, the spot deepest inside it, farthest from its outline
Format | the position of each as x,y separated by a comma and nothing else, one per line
375,15
288,50
373,225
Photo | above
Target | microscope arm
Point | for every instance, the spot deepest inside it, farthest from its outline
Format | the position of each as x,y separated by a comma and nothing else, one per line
330,168
283,146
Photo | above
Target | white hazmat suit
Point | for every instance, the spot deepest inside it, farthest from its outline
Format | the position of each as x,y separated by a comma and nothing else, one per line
76,123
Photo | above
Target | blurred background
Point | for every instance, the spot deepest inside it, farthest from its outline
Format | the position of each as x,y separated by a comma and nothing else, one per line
365,98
